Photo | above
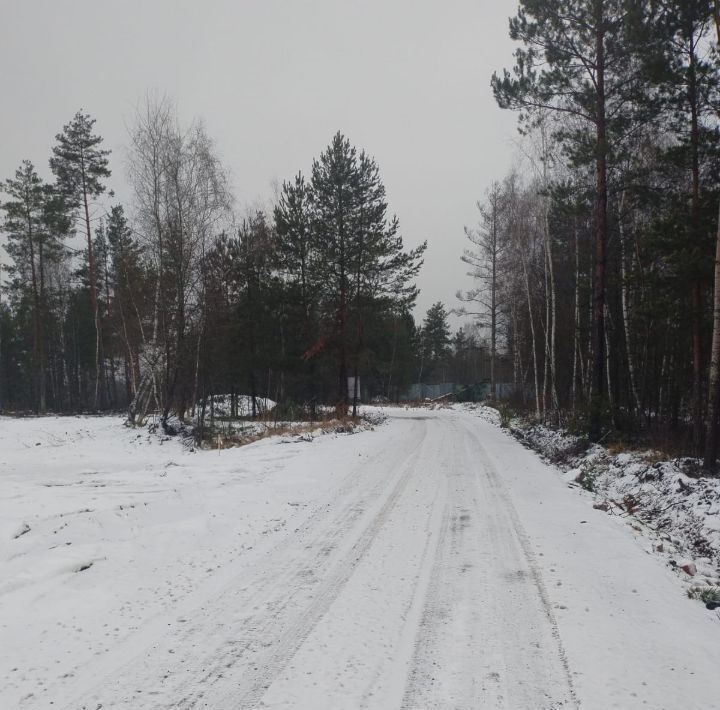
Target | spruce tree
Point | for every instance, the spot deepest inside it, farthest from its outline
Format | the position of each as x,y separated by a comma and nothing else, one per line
435,339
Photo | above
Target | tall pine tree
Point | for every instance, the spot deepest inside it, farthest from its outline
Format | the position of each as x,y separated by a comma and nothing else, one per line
576,59
361,254
81,167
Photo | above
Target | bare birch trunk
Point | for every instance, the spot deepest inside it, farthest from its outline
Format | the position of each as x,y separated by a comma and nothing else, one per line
546,364
635,399
532,335
552,306
607,365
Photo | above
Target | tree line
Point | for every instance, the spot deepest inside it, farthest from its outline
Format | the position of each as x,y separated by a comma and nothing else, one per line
159,304
597,260
167,302
598,263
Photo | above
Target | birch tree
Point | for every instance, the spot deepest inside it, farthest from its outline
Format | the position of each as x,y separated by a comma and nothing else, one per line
181,198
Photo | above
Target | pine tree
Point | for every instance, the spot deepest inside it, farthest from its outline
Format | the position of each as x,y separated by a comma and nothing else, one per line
297,259
688,90
361,254
253,265
35,223
713,426
80,167
577,60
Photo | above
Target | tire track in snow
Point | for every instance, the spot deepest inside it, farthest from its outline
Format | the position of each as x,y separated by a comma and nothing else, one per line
471,651
523,539
430,609
287,592
253,686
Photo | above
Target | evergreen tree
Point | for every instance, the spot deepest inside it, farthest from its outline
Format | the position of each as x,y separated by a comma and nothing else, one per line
297,259
131,294
81,167
435,340
689,95
486,261
35,223
713,427
577,60
253,266
361,254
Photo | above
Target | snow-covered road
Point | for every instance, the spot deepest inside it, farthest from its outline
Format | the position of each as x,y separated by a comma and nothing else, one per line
431,563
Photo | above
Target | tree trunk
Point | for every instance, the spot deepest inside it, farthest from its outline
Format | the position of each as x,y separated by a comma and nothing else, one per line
697,305
546,362
597,400
711,439
493,301
552,306
634,398
92,276
532,335
577,355
37,323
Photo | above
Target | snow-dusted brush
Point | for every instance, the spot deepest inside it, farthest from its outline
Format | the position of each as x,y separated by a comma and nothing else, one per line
674,510
223,422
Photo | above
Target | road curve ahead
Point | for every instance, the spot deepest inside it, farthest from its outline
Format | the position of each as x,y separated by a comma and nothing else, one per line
446,567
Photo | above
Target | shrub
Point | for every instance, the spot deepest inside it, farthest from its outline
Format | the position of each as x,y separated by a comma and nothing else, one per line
710,596
589,474
506,415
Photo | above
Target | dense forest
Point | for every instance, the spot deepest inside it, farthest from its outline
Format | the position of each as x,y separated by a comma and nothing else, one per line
595,262
595,259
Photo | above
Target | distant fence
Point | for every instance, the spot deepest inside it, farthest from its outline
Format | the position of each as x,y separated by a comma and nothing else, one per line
450,390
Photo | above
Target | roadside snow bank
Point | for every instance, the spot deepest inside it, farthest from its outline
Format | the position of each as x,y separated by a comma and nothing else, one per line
674,507
240,432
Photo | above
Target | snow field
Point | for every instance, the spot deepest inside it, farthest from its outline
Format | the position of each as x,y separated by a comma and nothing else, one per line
431,563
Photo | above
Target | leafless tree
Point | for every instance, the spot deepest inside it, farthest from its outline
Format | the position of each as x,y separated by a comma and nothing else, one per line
181,198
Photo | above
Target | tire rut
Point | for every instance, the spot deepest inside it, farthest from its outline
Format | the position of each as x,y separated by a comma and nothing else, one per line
271,664
482,540
499,490
268,590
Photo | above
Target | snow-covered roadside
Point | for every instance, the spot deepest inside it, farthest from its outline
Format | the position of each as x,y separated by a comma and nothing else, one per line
106,531
432,563
223,433
674,511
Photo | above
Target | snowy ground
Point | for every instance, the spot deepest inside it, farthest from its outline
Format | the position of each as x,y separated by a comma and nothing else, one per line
675,507
431,563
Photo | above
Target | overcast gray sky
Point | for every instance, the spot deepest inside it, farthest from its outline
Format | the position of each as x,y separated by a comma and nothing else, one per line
273,80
